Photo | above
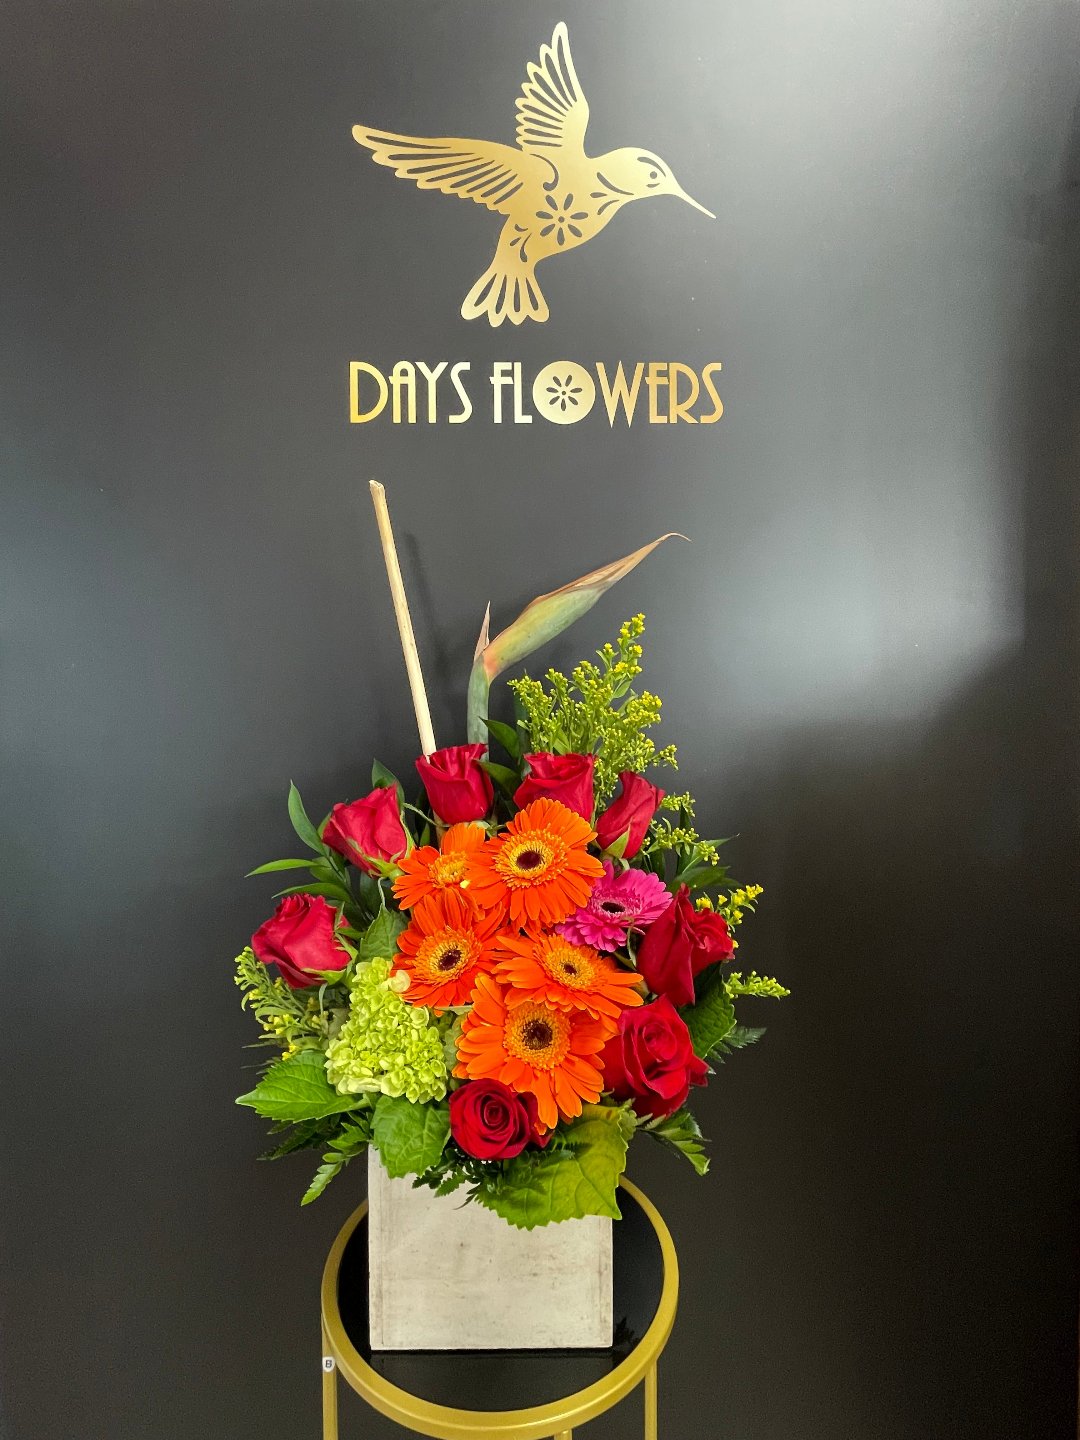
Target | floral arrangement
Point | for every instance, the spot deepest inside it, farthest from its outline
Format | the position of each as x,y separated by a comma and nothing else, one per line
499,986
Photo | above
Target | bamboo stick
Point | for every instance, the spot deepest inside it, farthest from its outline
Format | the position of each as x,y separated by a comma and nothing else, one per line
404,622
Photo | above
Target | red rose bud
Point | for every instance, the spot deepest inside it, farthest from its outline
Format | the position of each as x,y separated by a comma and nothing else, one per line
651,1060
299,939
679,945
566,778
629,815
489,1121
457,785
371,826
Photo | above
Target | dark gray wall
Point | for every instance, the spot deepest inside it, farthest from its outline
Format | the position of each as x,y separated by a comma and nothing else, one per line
867,657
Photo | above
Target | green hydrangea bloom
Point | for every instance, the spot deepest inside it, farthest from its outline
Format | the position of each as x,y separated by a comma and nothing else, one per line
385,1045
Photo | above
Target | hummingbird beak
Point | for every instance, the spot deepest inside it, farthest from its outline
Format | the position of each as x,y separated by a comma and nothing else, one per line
691,201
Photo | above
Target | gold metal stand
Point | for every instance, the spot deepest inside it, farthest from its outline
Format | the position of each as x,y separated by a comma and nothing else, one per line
554,1421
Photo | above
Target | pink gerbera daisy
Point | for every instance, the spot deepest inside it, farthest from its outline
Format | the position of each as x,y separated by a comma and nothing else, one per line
618,904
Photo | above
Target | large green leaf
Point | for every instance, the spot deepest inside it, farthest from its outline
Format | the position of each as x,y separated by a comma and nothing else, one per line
564,1184
297,1089
409,1138
681,1132
712,1015
380,938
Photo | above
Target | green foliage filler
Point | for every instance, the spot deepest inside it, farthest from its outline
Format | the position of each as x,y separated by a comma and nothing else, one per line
352,1140
680,1131
755,984
737,1038
597,711
294,1020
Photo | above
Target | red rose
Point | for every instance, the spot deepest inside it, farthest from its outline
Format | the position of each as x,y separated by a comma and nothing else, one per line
679,945
651,1059
566,778
490,1121
457,785
371,826
299,939
629,815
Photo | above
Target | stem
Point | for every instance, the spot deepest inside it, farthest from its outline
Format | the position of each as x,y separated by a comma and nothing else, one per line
404,621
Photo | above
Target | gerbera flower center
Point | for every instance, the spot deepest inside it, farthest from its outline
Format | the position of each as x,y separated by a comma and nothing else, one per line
446,955
612,907
574,966
528,859
448,869
537,1034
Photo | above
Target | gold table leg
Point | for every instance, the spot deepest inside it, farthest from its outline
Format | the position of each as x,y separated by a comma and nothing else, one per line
565,1435
329,1391
650,1403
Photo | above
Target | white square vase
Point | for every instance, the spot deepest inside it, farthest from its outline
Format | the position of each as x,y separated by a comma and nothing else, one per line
444,1275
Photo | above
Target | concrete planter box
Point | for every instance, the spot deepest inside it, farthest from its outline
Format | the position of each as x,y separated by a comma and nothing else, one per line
448,1276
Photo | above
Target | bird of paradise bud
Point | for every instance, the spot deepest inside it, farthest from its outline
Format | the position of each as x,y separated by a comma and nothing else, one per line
541,620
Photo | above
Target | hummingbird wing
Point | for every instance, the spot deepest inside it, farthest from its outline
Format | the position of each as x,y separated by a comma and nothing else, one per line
479,170
552,112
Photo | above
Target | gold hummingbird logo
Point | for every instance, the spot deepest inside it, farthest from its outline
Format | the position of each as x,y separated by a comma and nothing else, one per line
554,196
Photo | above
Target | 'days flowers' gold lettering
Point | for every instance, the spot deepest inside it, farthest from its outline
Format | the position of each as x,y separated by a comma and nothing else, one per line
564,392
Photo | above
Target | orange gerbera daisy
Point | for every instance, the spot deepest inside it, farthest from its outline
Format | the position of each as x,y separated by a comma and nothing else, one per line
539,867
535,1048
550,969
447,943
427,871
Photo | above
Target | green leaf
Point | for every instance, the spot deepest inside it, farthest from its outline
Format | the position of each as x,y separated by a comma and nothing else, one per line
380,938
352,1141
272,865
371,896
712,1016
680,1131
409,1138
507,736
566,1184
328,892
737,1038
297,1089
507,780
384,779
698,877
301,824
449,1185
